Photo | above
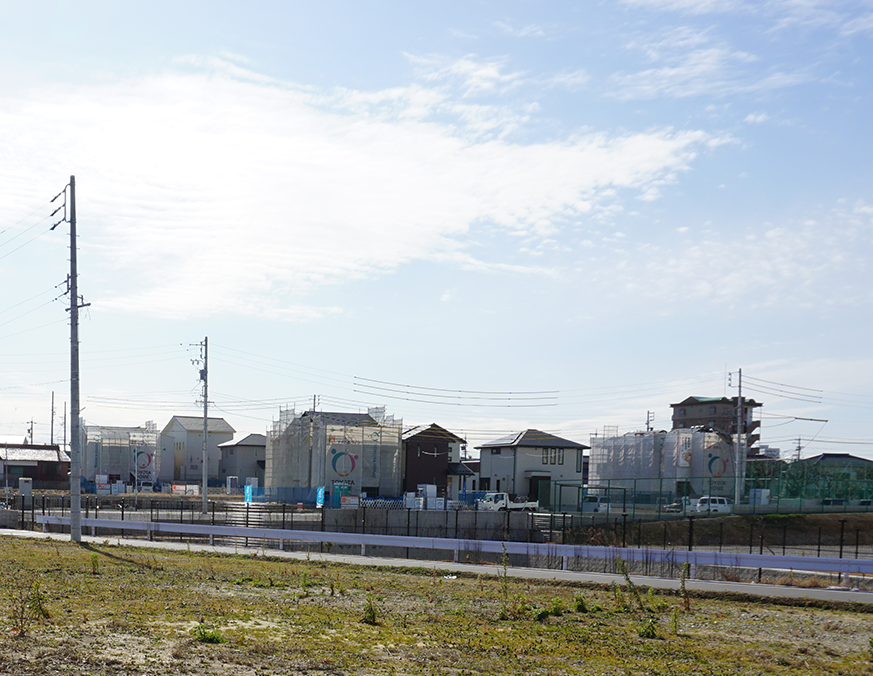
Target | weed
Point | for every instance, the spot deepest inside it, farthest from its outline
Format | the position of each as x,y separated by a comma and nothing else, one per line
95,563
541,614
371,612
579,604
656,603
686,599
674,620
518,608
648,629
204,634
635,592
556,607
28,606
619,597
870,646
504,574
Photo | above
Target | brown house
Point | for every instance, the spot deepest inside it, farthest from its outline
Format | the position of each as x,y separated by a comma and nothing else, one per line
432,455
46,464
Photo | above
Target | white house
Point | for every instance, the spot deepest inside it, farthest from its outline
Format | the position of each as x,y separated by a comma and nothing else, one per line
529,462
244,458
182,448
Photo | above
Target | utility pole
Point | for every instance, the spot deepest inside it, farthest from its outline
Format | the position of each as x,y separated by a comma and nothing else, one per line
739,457
30,432
650,417
52,428
75,304
204,377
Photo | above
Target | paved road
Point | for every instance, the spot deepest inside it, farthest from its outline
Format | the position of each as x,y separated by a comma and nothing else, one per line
762,590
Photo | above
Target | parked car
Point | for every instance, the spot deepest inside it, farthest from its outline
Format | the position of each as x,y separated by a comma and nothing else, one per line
712,503
598,504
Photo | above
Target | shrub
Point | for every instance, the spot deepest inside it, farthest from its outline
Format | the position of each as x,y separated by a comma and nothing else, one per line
370,615
556,607
28,606
541,614
648,628
204,634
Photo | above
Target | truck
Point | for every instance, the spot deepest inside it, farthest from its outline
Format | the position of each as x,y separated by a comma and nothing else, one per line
500,502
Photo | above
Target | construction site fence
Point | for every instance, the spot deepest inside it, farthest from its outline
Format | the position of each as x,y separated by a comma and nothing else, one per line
658,498
843,536
635,560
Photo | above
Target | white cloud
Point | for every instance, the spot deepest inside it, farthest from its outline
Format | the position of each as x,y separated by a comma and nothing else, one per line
473,75
690,64
572,81
211,192
756,118
531,30
845,18
689,6
794,266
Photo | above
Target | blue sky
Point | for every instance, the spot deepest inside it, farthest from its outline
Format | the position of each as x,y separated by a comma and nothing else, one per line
492,216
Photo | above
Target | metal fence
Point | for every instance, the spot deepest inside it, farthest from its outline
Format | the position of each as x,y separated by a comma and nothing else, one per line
564,557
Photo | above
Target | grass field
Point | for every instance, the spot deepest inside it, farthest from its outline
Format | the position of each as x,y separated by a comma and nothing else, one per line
109,611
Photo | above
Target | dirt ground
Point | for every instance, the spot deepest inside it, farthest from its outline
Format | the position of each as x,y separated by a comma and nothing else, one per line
108,611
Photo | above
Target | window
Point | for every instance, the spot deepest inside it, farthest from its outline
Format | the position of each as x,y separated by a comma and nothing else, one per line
419,450
498,485
560,456
553,456
681,411
495,451
712,409
680,425
545,456
230,451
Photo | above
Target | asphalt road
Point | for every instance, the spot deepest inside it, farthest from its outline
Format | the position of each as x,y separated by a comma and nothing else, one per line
762,590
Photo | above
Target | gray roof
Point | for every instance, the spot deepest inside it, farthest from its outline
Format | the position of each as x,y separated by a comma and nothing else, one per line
248,440
532,439
192,423
459,469
32,453
432,431
835,459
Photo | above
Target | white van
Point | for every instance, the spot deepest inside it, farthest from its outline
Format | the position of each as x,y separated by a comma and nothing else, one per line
595,503
711,504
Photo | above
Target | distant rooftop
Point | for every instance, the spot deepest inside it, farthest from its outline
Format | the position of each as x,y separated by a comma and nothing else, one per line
532,438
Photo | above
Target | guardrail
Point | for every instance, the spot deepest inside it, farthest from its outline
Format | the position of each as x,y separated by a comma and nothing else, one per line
459,546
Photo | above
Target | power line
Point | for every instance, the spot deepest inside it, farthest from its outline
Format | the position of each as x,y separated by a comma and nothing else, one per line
792,387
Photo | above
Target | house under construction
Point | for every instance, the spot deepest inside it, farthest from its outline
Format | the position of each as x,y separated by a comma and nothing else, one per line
346,453
122,453
691,462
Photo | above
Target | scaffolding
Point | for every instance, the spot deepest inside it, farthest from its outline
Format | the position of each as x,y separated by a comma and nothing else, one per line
345,453
128,454
690,462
